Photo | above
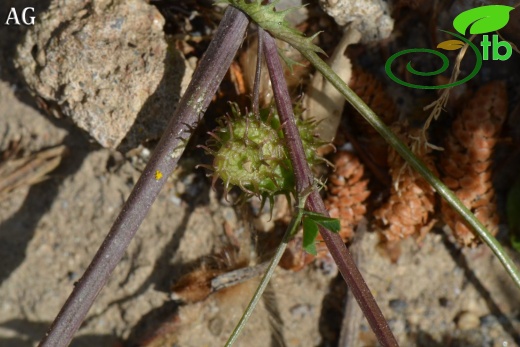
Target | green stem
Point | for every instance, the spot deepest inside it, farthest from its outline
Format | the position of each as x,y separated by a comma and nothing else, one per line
291,230
414,162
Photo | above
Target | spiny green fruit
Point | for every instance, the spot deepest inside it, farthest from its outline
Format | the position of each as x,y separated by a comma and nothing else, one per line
250,152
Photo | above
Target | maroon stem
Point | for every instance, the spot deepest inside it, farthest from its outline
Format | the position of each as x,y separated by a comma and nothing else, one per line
258,74
304,178
204,83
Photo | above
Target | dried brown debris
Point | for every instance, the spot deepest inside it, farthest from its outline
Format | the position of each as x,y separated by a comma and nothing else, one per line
16,172
213,276
295,258
347,192
466,162
196,285
372,148
412,199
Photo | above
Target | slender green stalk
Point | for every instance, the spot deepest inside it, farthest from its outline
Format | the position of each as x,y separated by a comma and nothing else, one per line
414,162
291,230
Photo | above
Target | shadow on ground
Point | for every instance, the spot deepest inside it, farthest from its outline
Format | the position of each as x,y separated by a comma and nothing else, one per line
30,333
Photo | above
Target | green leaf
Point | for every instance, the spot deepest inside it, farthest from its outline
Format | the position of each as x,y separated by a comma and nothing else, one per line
288,61
451,45
332,224
310,229
483,19
310,232
513,214
266,16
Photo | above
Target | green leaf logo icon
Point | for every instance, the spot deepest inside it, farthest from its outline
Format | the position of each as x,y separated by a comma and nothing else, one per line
483,19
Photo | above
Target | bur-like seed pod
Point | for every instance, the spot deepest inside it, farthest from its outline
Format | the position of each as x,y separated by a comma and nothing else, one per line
250,152
347,192
466,161
412,200
371,147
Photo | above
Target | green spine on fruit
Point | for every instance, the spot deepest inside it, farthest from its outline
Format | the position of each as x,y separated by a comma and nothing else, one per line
250,152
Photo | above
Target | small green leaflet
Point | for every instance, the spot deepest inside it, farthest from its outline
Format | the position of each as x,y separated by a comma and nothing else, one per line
311,220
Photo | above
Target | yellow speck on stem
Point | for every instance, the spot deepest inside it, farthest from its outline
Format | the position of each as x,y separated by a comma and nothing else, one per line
158,175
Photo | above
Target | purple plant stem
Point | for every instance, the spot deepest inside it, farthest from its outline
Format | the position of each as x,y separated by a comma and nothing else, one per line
304,179
258,74
204,83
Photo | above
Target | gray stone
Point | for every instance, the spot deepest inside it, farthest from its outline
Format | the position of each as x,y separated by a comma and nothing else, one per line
106,65
370,17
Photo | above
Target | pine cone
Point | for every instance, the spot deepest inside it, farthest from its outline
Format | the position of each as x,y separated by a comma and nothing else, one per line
412,199
371,147
466,163
347,193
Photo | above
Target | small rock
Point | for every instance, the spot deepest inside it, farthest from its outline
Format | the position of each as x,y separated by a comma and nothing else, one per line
467,321
398,305
301,310
445,302
372,17
106,65
488,320
215,326
264,222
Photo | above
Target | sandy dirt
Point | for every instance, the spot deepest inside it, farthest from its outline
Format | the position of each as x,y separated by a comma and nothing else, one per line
435,295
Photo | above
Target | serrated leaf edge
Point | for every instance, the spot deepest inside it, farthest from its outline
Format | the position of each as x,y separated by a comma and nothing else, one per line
275,23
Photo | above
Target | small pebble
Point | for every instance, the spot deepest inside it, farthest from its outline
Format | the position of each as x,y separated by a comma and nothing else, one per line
398,305
301,310
215,326
468,321
488,320
444,302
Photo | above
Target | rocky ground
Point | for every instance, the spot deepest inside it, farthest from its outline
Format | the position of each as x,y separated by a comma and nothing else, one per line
434,295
